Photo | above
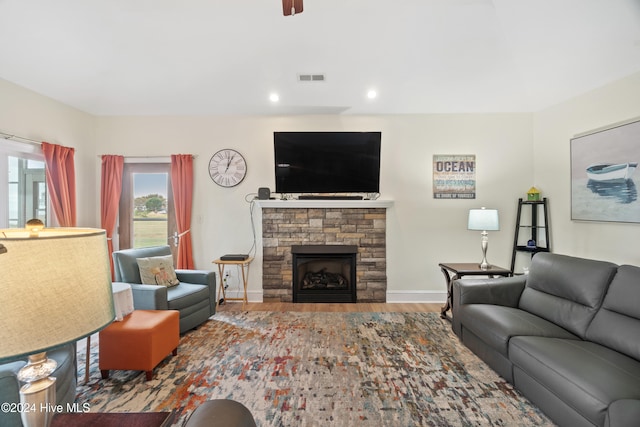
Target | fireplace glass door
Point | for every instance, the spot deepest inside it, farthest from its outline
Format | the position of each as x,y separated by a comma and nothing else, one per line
324,273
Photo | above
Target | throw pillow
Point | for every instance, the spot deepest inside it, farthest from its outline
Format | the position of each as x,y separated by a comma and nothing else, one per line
157,270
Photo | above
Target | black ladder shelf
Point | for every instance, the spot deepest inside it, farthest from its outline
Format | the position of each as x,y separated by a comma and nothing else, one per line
533,245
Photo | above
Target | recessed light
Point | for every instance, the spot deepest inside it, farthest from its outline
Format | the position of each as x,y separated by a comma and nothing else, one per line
274,97
372,94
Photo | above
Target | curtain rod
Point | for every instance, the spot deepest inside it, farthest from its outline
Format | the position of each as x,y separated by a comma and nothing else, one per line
144,157
11,136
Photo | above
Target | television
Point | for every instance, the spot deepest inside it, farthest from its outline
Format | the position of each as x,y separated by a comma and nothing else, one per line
327,162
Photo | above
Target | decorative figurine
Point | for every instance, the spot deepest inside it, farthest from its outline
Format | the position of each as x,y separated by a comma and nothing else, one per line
533,195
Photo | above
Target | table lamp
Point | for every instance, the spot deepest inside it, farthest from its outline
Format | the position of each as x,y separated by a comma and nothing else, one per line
55,288
484,219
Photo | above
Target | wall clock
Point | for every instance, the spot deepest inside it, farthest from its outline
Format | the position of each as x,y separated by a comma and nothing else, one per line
227,168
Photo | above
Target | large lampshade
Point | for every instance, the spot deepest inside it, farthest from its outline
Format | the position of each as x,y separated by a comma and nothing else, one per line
55,288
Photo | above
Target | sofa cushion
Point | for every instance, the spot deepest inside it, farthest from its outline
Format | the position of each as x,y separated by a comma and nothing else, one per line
620,313
566,290
126,262
157,270
495,324
586,376
623,413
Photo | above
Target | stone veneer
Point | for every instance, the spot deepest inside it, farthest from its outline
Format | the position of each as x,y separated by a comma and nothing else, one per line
363,227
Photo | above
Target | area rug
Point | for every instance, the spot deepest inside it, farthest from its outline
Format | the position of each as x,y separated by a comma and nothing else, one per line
321,369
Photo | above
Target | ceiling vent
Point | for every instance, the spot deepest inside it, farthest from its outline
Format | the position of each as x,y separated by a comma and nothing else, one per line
311,77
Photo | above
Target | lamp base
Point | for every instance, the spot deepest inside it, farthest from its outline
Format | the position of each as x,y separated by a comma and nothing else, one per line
39,394
484,241
484,265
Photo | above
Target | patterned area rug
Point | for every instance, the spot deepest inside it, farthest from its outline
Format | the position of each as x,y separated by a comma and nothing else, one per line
320,369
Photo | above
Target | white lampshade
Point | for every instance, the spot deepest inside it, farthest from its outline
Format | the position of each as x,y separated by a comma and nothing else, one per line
54,288
483,219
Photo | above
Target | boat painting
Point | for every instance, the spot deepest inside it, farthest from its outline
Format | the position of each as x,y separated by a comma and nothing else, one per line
605,185
611,172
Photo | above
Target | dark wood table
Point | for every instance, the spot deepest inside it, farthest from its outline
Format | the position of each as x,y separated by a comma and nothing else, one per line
112,419
465,269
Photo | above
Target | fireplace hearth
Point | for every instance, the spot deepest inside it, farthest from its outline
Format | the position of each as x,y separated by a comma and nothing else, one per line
324,273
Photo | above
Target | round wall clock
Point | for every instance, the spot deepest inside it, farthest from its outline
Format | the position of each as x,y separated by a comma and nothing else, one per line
227,168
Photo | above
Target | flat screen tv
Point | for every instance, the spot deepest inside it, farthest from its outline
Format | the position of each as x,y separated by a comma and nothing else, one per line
327,162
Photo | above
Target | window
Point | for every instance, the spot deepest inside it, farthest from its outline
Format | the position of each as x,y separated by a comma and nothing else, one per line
22,184
146,213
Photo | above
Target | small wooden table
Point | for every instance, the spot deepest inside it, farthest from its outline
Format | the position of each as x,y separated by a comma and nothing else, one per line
244,268
123,305
113,419
465,269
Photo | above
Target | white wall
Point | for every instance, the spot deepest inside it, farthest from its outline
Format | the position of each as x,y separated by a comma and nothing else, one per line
421,231
27,114
554,127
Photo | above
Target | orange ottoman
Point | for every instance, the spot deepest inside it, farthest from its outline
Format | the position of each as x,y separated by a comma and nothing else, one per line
140,341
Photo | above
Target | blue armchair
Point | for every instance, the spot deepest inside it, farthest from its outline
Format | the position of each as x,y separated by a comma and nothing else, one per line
194,297
65,375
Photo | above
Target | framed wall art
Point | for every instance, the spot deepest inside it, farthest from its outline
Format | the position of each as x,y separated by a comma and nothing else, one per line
454,176
604,180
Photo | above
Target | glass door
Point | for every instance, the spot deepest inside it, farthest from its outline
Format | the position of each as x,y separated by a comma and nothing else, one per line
27,191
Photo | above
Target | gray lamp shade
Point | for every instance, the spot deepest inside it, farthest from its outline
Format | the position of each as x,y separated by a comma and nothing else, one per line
54,288
483,220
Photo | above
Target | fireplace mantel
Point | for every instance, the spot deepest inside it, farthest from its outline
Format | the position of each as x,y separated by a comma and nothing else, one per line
327,204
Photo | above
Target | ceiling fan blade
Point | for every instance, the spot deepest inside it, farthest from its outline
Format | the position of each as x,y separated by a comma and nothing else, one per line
291,7
287,5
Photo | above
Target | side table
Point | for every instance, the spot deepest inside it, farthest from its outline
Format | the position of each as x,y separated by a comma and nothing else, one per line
112,419
123,305
244,268
465,269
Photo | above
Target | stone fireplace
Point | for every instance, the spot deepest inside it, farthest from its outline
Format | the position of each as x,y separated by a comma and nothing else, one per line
287,223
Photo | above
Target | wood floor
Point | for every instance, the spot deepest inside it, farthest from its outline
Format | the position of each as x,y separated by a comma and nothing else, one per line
330,307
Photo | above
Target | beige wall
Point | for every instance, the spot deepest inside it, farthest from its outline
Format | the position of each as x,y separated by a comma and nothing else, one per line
30,115
554,127
421,231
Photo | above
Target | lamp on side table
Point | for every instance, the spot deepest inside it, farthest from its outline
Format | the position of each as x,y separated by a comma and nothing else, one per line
55,289
484,220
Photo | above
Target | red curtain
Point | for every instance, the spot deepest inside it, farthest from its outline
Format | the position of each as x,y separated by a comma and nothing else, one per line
110,190
182,186
61,182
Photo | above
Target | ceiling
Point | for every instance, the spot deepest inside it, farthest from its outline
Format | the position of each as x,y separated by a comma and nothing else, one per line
197,57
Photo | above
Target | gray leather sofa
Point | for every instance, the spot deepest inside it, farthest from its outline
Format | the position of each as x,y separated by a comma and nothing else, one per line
567,336
65,375
194,297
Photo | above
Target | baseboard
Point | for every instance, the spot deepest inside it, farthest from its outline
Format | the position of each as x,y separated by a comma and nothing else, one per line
255,296
437,297
404,297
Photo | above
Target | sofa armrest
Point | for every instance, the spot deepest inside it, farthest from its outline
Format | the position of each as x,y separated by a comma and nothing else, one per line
149,297
623,413
503,291
9,393
201,277
498,291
